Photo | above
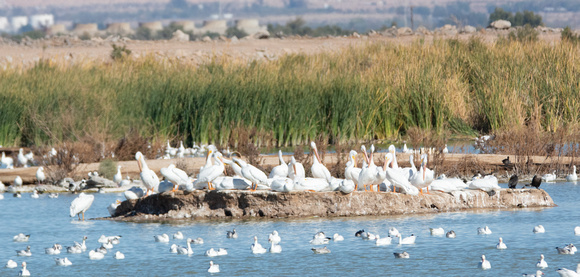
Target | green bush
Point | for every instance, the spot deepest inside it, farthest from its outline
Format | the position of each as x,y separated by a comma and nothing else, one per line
569,36
525,34
107,168
519,19
119,52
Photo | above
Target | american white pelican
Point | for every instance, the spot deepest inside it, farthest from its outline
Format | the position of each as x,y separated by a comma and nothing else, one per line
408,240
63,261
148,176
274,237
487,183
185,250
175,175
347,186
282,184
134,193
369,175
393,151
296,170
119,255
321,250
95,255
26,252
351,172
22,160
451,234
437,231
564,272
483,231
257,248
236,167
393,232
34,194
54,250
213,268
113,207
337,237
275,248
24,271
542,263
178,235
382,241
162,238
549,177
539,229
233,234
318,169
402,255
17,181
250,172
208,159
500,245
40,176
398,180
281,170
572,177
419,179
484,264
81,204
447,185
118,178
6,162
11,264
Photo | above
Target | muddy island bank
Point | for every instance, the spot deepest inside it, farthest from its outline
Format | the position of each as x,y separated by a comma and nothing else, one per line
266,204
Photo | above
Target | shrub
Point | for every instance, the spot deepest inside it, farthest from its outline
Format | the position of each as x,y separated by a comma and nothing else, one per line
119,52
108,168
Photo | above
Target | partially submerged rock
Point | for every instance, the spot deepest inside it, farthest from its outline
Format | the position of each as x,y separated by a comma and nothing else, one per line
245,204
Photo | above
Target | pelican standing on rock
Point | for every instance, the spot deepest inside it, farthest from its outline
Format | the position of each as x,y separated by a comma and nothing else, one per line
40,176
250,172
318,169
210,173
175,175
81,204
280,170
148,176
296,170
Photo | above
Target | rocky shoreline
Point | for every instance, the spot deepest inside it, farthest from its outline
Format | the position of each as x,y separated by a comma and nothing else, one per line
266,204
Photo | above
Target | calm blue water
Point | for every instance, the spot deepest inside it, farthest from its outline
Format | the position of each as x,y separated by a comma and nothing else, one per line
47,221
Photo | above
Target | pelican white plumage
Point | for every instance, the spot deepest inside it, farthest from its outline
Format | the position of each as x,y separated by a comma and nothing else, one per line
318,169
405,149
445,150
134,193
161,238
564,272
274,237
118,178
21,237
186,250
483,231
393,151
213,268
447,185
250,172
24,271
347,186
542,263
311,184
382,241
501,245
351,172
95,255
17,181
572,177
282,184
22,159
81,204
419,179
275,248
11,264
40,176
484,264
487,183
257,248
281,170
539,229
398,180
437,231
369,175
54,250
181,150
549,177
119,255
209,173
63,262
296,170
148,176
113,207
175,175
236,167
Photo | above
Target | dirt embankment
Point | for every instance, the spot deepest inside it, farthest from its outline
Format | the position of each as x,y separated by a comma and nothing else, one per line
264,204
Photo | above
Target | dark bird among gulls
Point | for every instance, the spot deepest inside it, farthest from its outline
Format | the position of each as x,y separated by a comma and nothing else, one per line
513,182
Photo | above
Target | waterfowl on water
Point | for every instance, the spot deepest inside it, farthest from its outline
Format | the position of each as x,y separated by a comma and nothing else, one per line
484,264
542,263
257,248
500,244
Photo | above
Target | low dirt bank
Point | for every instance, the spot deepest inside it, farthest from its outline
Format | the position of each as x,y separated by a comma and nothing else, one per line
265,204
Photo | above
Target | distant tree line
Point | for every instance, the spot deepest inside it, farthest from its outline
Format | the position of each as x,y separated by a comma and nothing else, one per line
517,19
298,27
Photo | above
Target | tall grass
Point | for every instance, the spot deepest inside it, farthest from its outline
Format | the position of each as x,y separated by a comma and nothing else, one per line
377,91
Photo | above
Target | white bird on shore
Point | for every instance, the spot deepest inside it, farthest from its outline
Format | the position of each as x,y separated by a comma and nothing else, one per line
500,245
487,183
420,177
484,264
148,176
370,174
94,255
181,150
318,169
40,176
22,160
213,268
542,263
281,170
351,172
24,271
118,178
209,173
162,238
549,177
6,162
572,177
113,207
26,252
11,264
257,248
296,170
175,175
18,181
185,250
483,231
63,261
539,229
252,173
408,240
21,237
81,204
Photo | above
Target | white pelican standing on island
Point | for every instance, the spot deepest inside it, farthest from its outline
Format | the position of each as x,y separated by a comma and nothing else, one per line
393,151
210,173
351,172
252,173
148,176
296,170
40,176
318,169
175,175
280,170
397,179
81,204
118,178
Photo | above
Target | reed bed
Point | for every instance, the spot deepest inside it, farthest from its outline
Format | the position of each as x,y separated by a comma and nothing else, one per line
373,92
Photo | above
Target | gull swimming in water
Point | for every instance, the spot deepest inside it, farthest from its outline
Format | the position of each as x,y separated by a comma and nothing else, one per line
500,245
542,263
402,255
95,255
11,264
483,231
21,237
26,252
408,240
539,229
484,264
119,255
213,268
161,238
24,271
63,261
321,250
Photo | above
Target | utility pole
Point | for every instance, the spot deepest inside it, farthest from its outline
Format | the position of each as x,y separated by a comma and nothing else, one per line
412,25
